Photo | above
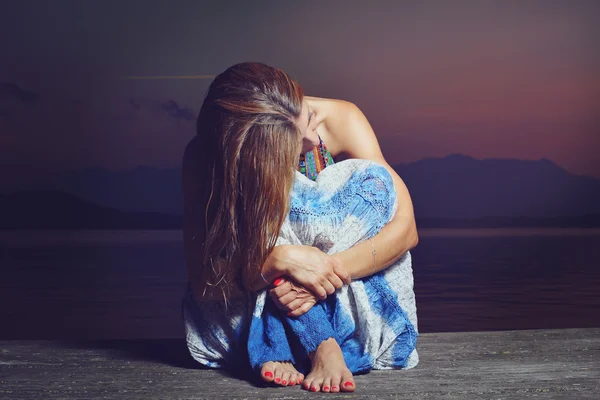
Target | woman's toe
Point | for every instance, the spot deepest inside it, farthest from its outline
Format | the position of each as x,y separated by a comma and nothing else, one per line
277,374
293,379
266,372
336,383
307,383
316,385
285,378
347,382
326,386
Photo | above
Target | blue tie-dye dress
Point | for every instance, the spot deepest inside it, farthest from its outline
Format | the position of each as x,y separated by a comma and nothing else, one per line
373,319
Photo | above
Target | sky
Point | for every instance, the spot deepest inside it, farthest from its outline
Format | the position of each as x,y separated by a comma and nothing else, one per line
118,84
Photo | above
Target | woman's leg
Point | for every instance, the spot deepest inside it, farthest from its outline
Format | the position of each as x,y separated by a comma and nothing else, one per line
217,337
382,306
363,318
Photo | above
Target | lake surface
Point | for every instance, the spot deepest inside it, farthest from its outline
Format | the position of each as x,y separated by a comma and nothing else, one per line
128,284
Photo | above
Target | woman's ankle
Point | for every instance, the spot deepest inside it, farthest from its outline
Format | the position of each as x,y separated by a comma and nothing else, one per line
329,344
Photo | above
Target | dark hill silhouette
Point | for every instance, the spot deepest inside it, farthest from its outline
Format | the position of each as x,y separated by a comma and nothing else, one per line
45,209
456,190
458,186
141,189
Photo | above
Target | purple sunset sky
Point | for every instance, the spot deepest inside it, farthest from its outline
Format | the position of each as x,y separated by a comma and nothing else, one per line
505,79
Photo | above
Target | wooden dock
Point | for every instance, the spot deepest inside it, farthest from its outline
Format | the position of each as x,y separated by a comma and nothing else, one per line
545,364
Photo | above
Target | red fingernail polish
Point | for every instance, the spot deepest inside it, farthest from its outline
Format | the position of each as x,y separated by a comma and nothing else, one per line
284,382
278,281
348,384
269,374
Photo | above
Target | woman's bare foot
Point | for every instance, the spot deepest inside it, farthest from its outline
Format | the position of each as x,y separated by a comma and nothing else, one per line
329,372
281,373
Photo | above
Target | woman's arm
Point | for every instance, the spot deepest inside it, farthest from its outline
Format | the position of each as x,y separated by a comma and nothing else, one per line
349,127
314,269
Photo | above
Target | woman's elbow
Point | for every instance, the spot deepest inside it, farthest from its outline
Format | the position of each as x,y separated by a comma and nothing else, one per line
415,240
412,236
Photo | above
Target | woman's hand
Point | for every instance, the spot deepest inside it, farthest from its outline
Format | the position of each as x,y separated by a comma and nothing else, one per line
291,297
311,268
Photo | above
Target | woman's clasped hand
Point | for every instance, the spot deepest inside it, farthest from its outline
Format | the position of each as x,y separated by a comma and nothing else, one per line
291,297
307,275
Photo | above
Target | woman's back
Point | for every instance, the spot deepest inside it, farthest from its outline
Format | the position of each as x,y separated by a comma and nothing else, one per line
194,188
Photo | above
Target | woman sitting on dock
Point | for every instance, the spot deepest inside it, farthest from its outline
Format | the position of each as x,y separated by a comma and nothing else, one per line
297,252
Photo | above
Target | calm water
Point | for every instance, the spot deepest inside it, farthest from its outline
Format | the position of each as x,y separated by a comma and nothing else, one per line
121,284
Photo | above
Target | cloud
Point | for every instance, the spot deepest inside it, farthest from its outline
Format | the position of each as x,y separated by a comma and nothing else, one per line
11,90
170,108
161,77
59,132
134,103
173,109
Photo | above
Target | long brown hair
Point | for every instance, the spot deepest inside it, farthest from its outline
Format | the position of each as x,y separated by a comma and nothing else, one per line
251,145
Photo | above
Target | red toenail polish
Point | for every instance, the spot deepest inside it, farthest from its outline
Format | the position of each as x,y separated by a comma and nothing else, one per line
278,281
277,380
284,382
314,389
334,387
348,384
269,374
326,388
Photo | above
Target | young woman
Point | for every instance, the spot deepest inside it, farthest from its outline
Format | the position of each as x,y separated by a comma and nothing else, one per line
291,194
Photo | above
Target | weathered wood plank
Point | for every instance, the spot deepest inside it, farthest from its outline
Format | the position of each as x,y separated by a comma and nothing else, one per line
562,363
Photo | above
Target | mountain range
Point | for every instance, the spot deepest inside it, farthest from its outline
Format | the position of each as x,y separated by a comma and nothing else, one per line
455,190
48,209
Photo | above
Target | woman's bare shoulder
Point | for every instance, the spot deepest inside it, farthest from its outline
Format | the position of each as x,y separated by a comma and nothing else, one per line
330,111
332,114
326,105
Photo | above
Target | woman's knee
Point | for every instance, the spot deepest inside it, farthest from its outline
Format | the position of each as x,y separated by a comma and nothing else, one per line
377,188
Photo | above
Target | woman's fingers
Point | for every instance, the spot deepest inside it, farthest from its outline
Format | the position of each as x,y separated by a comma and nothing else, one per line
294,305
282,289
303,309
279,305
316,288
329,288
287,299
336,281
318,291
